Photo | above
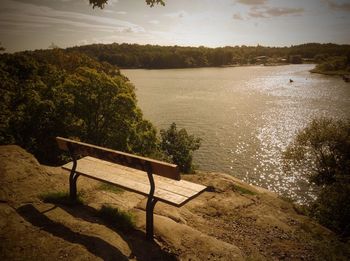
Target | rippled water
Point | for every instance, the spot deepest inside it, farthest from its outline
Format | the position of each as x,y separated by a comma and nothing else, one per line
246,116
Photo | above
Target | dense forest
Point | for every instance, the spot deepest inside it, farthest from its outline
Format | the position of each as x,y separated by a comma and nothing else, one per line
155,57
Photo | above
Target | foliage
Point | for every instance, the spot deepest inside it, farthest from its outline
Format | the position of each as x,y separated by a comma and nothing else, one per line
334,64
323,150
154,56
60,198
54,93
118,218
179,147
325,143
332,208
101,3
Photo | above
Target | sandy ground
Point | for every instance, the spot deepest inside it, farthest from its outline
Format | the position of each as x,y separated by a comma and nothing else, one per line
230,221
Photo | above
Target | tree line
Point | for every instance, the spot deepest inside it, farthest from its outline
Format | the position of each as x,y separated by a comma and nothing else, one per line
157,57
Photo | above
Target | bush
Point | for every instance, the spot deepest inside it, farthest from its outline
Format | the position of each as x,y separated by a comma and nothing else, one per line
323,150
337,63
332,208
179,147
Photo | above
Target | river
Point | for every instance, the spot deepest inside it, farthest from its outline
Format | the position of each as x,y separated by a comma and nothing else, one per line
246,116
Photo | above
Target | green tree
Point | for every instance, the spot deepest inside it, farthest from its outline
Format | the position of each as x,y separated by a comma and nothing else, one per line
106,112
179,147
323,150
51,93
102,3
31,114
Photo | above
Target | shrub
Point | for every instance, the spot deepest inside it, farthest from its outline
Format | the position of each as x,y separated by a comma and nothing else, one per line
323,150
332,208
179,147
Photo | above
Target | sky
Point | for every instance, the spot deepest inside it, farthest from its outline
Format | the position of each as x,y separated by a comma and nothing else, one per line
37,24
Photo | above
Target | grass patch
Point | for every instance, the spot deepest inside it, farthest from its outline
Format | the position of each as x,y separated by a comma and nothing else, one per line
111,188
60,197
121,219
242,190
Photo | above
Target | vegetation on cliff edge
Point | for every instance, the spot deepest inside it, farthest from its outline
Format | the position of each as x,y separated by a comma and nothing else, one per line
323,150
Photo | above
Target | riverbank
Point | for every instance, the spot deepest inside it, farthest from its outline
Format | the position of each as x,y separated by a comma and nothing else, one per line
230,221
200,67
331,73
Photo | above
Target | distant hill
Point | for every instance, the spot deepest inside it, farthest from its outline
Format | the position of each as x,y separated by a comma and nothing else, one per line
155,56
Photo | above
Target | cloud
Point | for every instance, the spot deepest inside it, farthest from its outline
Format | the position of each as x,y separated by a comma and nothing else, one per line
261,9
339,6
237,16
274,12
114,12
154,22
179,14
252,2
17,14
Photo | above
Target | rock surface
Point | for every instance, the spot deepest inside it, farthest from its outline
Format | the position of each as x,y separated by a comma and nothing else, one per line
230,221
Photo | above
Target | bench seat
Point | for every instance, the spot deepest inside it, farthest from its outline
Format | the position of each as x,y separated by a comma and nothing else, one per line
173,192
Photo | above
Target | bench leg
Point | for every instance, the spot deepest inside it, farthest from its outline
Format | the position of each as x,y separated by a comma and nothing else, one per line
73,175
151,202
73,185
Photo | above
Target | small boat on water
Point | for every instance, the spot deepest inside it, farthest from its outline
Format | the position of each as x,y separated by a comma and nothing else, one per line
290,80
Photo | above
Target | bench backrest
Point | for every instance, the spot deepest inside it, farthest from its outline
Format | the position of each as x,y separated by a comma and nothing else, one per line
84,149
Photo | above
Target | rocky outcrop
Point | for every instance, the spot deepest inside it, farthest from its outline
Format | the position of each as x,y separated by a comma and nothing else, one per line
230,221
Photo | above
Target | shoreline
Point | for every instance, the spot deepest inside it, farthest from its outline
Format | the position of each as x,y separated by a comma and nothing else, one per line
331,73
199,67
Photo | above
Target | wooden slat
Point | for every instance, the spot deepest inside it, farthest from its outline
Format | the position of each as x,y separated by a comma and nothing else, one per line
181,187
84,149
136,181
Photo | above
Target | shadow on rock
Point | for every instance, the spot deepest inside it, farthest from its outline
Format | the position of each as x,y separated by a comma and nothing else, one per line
94,245
142,249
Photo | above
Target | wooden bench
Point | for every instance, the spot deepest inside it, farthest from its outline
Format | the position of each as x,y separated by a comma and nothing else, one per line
129,172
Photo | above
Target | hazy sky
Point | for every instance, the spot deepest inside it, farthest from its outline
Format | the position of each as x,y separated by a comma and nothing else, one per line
35,24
